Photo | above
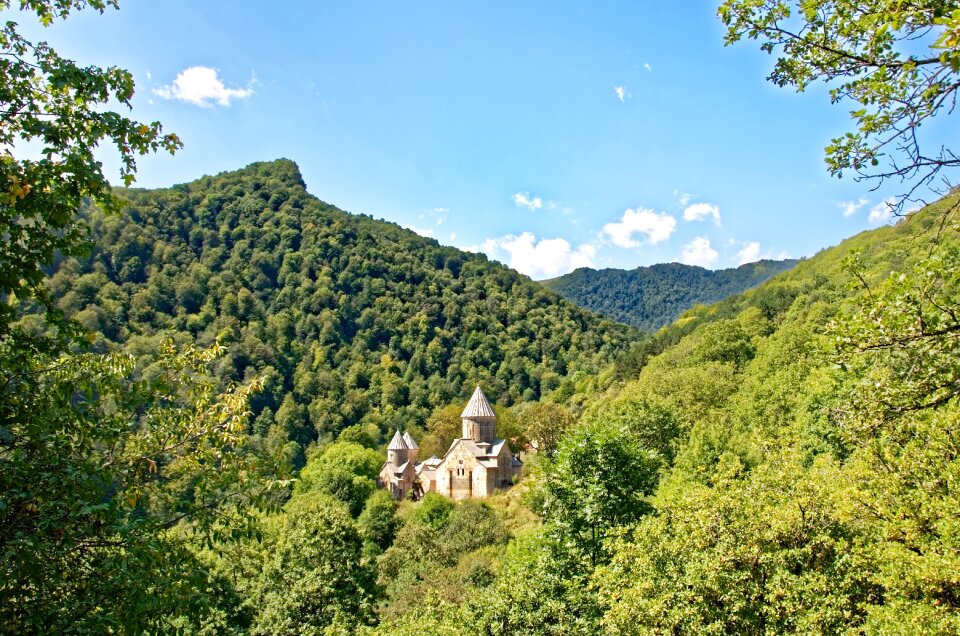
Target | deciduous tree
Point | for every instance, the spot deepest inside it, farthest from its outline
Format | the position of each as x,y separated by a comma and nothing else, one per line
65,108
896,63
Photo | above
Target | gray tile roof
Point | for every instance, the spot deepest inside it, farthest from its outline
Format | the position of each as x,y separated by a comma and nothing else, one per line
411,444
398,442
478,406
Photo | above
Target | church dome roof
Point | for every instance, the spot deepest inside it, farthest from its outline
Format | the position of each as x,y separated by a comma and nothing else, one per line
410,442
398,443
478,406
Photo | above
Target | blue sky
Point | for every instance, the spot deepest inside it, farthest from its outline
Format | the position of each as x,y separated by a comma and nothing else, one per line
549,135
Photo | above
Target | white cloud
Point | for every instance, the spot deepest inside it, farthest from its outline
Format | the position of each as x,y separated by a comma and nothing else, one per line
700,211
882,212
543,258
656,227
421,231
749,254
621,93
684,198
699,252
523,199
849,208
647,66
201,85
441,210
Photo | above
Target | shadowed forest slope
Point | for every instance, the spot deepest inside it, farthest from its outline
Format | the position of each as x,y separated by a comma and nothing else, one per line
651,297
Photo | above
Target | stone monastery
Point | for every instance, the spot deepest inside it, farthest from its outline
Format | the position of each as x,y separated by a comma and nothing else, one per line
475,465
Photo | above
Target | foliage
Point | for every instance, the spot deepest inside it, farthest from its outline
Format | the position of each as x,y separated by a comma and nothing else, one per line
358,435
313,577
811,494
442,549
471,526
443,426
542,589
600,479
433,511
652,297
539,589
64,108
378,522
95,466
773,558
545,424
896,63
899,350
343,470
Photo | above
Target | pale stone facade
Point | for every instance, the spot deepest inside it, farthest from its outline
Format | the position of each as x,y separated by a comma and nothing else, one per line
476,464
399,473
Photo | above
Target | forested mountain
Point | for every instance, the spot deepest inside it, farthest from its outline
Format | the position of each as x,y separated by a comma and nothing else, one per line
651,297
349,320
192,411
783,461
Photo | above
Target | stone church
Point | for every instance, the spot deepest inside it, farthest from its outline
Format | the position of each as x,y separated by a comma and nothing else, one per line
476,464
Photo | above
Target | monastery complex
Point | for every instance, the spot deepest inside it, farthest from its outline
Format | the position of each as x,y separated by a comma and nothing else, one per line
476,464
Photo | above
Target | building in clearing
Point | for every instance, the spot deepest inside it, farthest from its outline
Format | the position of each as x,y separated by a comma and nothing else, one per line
476,464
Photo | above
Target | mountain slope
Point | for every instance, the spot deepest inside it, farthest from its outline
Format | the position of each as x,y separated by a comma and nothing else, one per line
651,297
349,319
804,438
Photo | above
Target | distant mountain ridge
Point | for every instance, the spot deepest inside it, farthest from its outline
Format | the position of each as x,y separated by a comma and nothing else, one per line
651,297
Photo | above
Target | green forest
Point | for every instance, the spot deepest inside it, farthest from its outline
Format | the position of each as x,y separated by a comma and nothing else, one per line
346,320
199,383
653,297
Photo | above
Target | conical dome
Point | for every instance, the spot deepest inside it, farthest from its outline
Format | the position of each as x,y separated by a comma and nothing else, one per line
410,442
398,442
478,407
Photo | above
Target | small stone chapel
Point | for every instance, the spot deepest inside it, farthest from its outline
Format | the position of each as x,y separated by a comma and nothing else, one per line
476,464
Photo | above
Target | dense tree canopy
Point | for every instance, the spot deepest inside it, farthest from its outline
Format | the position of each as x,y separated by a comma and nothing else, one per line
796,447
103,456
349,320
655,296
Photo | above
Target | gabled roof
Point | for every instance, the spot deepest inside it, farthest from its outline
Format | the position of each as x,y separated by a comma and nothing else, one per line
412,445
398,442
479,450
478,406
433,462
429,465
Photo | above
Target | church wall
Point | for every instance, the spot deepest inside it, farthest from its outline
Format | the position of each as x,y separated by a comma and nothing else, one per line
460,476
505,471
399,487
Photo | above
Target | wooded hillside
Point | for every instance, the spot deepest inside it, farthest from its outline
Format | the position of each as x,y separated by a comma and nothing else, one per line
349,320
651,297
